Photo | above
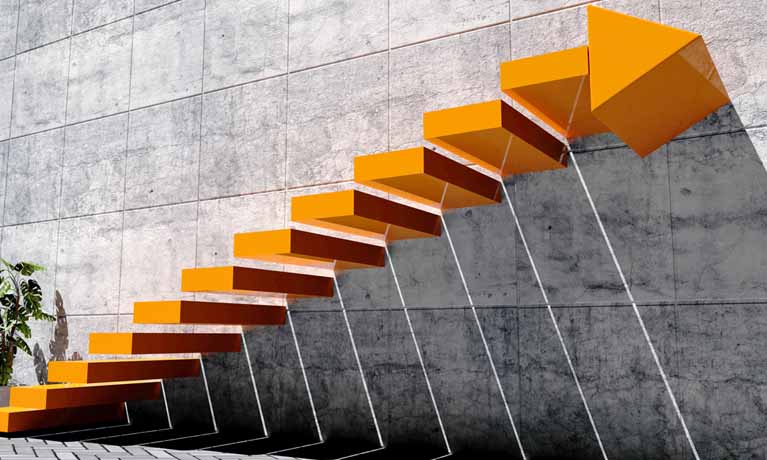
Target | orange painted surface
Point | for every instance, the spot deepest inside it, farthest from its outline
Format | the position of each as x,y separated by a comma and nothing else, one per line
555,87
145,343
422,175
118,370
59,396
198,312
496,137
363,214
649,82
15,419
290,246
245,280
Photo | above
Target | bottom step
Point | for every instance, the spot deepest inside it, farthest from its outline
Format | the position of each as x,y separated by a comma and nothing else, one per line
14,419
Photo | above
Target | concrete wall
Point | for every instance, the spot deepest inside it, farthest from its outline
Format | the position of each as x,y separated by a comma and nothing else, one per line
137,135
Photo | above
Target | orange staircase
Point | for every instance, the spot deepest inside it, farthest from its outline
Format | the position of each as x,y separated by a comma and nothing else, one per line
577,92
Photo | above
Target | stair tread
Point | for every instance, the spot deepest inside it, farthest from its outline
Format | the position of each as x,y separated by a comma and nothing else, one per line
291,246
255,281
548,85
140,343
360,213
495,136
200,312
62,395
109,370
422,175
14,419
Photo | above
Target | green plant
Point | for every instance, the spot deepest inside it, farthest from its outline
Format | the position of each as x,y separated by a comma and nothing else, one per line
21,299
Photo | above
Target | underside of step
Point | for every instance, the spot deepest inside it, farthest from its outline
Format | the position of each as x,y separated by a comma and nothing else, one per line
141,343
62,395
255,281
422,175
298,247
15,419
496,137
115,370
198,312
363,214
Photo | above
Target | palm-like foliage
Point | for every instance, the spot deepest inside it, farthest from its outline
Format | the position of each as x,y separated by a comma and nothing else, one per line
21,299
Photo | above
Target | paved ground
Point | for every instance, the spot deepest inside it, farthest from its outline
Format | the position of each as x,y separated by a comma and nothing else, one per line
30,448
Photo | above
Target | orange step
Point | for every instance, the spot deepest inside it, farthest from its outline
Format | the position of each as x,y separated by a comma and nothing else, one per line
146,343
120,370
548,86
290,246
15,419
244,280
198,312
61,395
360,213
496,137
422,175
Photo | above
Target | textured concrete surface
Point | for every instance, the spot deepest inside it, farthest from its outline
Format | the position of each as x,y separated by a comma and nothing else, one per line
136,136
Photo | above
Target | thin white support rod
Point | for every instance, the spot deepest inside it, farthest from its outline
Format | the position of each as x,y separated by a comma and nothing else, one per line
165,402
418,352
303,373
207,393
638,315
484,340
554,321
359,363
255,387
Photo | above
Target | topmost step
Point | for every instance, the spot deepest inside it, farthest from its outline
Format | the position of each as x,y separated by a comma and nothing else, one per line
496,137
555,87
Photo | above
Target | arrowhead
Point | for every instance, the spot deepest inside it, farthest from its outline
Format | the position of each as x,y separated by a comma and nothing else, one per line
623,48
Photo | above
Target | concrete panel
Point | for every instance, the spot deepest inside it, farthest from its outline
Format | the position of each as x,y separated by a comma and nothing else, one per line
620,380
94,167
396,382
99,75
413,22
157,244
163,154
734,34
232,395
564,239
243,146
335,113
322,32
464,386
39,99
34,243
93,13
7,68
9,17
167,53
281,385
4,145
144,5
485,241
88,265
34,178
553,418
33,370
524,8
334,378
427,273
718,187
444,73
721,379
43,21
246,40
632,197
